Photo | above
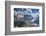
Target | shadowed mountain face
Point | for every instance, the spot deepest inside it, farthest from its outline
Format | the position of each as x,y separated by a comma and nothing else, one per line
19,23
26,17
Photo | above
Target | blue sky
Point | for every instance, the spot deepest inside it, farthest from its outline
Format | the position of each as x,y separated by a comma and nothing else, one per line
35,10
24,9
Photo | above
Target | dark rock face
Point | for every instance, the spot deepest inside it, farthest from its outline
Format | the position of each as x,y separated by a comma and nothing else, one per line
28,17
19,23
